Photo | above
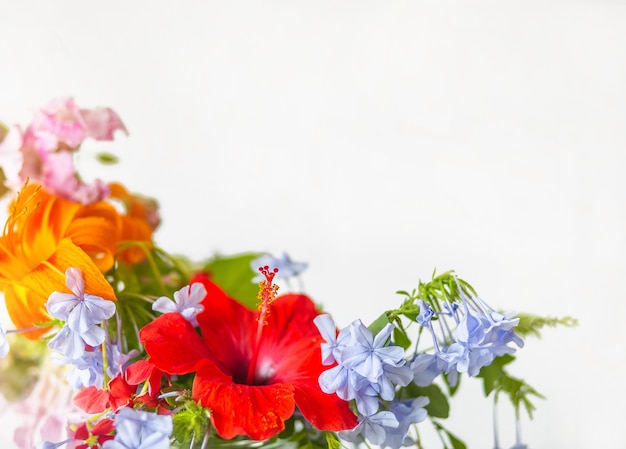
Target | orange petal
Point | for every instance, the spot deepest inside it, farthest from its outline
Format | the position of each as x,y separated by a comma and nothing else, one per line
25,308
26,300
69,255
134,229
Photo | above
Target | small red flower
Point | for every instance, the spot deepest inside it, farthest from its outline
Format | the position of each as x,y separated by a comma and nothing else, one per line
252,369
96,436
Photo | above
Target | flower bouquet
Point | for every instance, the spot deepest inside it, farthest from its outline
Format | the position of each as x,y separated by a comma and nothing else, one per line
131,347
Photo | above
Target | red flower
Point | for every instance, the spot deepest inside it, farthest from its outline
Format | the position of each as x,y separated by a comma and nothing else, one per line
252,369
95,437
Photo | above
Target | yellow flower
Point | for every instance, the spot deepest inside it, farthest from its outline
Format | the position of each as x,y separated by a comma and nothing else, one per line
43,236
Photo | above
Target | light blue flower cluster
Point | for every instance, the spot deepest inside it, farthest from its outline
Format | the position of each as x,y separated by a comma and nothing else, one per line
367,370
88,369
138,429
78,340
466,337
83,314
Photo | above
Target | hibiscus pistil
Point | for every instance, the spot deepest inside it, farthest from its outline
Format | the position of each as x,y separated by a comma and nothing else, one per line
266,296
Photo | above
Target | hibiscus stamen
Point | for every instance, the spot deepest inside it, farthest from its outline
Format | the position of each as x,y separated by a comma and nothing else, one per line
266,296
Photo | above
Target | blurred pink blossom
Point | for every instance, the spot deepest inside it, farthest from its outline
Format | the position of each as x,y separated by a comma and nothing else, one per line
44,151
45,414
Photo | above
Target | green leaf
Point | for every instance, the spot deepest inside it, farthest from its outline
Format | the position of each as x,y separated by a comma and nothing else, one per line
400,336
379,323
456,443
438,406
519,393
190,425
452,389
454,440
332,440
495,378
493,373
234,275
107,158
532,324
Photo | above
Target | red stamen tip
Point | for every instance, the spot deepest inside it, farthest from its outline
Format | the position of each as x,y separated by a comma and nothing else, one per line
269,274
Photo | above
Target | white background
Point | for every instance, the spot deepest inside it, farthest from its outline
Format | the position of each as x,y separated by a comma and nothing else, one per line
377,141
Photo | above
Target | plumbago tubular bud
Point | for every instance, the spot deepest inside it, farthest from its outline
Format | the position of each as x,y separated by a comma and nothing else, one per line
4,343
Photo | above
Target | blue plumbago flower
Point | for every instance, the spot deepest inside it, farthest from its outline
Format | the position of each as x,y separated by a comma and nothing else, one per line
286,267
51,445
366,354
373,428
326,325
407,413
480,334
4,343
186,302
426,313
137,429
367,368
68,343
88,369
83,314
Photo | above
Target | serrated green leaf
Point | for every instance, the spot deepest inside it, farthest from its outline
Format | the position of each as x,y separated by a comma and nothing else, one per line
532,324
493,373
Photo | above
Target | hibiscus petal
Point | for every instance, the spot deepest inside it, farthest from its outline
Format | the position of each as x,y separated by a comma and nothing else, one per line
258,411
324,411
173,344
228,329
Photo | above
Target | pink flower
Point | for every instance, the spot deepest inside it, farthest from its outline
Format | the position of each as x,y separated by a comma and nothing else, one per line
70,125
43,152
45,414
101,123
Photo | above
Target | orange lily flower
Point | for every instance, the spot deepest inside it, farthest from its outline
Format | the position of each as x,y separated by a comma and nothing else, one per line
43,236
139,222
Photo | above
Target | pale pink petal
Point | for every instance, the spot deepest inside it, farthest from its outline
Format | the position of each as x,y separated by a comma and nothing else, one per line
101,123
59,174
74,281
61,118
90,193
59,178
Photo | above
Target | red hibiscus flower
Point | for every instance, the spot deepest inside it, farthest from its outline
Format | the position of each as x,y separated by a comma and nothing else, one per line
252,368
